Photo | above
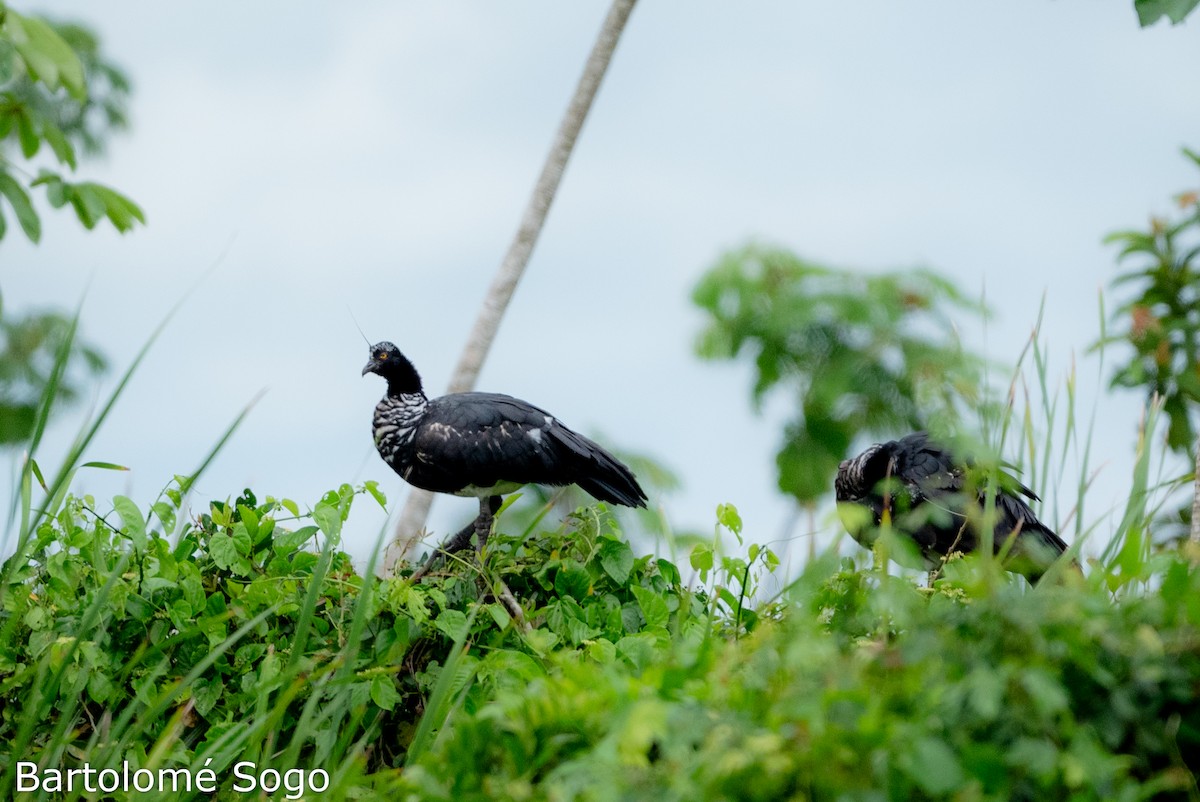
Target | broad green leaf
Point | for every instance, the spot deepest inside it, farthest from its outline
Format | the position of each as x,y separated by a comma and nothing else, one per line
616,558
384,693
934,766
119,209
1150,11
654,607
285,542
565,618
452,623
222,550
372,487
727,516
64,151
89,206
329,520
47,56
19,200
241,539
131,519
27,136
572,579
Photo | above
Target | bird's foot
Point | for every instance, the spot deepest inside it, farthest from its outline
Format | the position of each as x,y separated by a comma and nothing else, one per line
455,543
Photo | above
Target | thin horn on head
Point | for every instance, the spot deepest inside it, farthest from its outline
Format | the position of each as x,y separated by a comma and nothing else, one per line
360,331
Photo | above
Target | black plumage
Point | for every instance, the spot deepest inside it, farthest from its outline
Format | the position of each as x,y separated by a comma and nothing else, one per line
484,444
936,500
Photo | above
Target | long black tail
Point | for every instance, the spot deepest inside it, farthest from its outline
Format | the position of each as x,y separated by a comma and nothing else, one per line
600,473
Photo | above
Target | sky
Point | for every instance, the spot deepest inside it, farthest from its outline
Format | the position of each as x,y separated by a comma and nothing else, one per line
300,162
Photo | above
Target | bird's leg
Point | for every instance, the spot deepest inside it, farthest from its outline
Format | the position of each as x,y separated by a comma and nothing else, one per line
480,528
487,515
455,543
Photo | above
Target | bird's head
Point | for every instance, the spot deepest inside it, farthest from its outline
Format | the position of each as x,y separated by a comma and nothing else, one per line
387,361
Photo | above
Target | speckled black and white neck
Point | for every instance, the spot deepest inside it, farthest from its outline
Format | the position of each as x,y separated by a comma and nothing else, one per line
395,425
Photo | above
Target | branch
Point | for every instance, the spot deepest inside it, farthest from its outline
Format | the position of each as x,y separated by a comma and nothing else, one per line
416,506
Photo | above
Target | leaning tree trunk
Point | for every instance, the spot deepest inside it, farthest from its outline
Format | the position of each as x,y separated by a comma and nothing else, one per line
1196,499
416,506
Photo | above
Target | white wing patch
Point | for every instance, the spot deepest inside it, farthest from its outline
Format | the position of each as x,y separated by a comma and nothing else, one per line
535,435
441,431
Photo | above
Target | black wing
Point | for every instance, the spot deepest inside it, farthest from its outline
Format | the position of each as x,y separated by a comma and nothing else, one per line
484,439
926,498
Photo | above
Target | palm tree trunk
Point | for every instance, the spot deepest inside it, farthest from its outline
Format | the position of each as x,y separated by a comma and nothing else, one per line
416,506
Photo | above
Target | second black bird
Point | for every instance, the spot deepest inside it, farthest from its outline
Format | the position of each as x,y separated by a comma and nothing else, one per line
484,445
936,500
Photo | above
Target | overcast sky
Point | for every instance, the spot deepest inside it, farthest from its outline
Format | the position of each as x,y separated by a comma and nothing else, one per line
377,156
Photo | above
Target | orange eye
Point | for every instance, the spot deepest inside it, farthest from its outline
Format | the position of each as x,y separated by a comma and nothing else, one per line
382,355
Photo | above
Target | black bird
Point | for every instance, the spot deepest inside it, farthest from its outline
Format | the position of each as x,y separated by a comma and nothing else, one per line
927,493
484,445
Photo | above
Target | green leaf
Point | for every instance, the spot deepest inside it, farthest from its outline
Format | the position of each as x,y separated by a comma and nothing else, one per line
384,693
131,519
934,766
653,607
701,557
27,136
37,472
1045,690
119,209
104,466
241,539
19,199
222,550
727,516
616,558
89,206
285,542
572,580
1150,11
56,189
329,520
63,150
47,56
452,623
602,651
372,487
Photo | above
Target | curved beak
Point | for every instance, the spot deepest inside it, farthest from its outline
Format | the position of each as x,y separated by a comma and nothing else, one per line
371,367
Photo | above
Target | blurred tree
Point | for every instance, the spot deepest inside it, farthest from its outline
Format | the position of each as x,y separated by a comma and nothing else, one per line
29,348
58,90
875,354
1151,11
1161,322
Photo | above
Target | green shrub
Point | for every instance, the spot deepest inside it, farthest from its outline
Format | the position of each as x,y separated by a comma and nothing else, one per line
868,689
232,640
244,635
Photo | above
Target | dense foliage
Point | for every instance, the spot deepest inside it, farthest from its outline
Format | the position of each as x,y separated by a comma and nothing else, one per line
231,640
